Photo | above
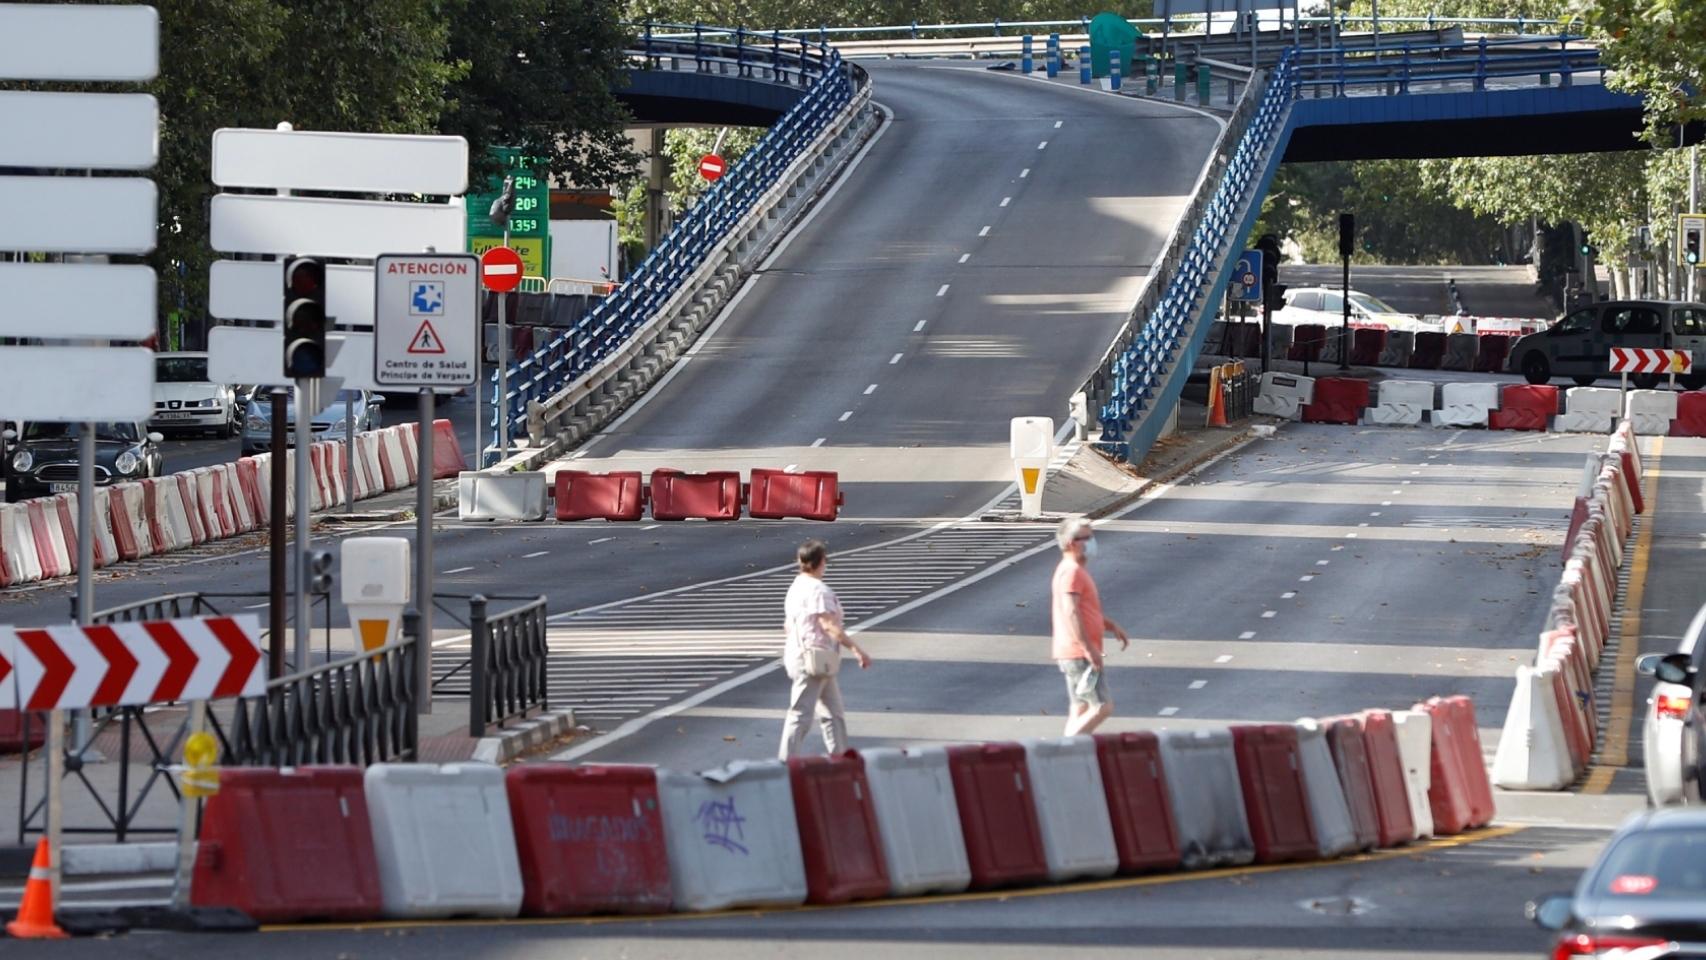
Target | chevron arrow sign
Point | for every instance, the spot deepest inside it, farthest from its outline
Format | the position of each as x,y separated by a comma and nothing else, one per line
130,664
1640,360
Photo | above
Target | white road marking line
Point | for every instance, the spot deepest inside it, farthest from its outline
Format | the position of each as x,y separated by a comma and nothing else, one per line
458,570
1386,503
896,358
1406,482
1360,525
535,554
1057,124
1396,492
870,389
1247,635
1288,594
1306,578
1024,173
654,526
1198,684
1269,614
1338,546
1374,513
1322,563
600,540
816,443
257,606
1223,658
964,257
1169,711
942,291
1352,536
1043,145
790,468
846,416
984,232
1414,473
1006,200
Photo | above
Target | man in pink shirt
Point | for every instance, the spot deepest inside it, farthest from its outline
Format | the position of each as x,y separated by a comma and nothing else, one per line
1076,609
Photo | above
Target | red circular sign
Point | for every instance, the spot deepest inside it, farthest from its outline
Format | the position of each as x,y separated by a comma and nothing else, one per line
500,269
711,166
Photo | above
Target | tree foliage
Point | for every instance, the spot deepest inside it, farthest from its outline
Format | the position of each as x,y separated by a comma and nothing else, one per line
1656,48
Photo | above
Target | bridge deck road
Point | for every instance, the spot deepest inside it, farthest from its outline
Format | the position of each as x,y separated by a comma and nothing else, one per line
1072,228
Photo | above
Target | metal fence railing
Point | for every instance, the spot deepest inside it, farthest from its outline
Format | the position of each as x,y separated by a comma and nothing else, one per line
357,710
828,85
508,657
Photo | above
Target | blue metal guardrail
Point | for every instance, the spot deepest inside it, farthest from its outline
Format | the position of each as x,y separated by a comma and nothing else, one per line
1334,71
829,85
995,27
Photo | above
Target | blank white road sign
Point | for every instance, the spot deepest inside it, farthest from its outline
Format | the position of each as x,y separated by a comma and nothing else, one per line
89,131
426,319
63,41
251,290
254,356
77,384
77,214
341,162
357,229
106,301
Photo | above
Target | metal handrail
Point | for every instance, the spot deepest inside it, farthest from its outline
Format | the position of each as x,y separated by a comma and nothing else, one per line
509,654
996,26
358,710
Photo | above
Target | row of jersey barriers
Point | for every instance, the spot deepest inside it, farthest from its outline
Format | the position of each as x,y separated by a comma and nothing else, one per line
1551,727
1495,406
417,841
666,495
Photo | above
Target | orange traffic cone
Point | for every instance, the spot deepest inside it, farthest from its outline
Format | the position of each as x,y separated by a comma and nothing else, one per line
1216,399
35,913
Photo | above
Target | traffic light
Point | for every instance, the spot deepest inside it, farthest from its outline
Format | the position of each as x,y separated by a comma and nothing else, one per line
1273,292
1692,242
1347,235
320,571
304,318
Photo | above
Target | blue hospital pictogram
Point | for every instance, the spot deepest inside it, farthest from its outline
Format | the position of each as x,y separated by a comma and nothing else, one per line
426,299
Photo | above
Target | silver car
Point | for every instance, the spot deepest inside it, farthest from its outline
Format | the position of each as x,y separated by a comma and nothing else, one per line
1579,345
1673,734
185,399
328,424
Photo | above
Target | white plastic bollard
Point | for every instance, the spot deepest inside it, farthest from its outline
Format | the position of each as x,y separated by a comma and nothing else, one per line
376,579
1031,440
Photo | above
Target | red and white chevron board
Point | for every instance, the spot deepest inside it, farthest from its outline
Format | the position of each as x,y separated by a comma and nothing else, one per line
1642,360
130,664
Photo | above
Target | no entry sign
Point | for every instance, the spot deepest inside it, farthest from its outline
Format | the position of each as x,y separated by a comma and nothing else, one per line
500,269
711,166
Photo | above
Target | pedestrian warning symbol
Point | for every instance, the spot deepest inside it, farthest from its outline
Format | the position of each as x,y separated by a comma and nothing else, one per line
426,340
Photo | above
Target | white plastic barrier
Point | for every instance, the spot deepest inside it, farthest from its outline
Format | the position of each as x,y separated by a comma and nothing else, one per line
171,521
1072,808
732,837
1208,800
335,477
134,499
1588,410
207,499
919,820
242,513
58,558
396,462
367,464
18,545
1284,394
520,495
1414,730
443,840
1465,404
1650,412
189,493
1532,753
1402,402
1335,835
106,546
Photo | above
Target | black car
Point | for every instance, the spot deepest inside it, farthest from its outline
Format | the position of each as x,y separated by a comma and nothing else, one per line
1645,896
42,459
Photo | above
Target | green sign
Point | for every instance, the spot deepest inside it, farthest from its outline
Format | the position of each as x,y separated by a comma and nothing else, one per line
532,214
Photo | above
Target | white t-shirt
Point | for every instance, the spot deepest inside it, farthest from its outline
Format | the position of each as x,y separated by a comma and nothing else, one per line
807,598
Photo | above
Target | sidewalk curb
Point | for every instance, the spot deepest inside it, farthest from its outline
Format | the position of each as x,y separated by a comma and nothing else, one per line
526,735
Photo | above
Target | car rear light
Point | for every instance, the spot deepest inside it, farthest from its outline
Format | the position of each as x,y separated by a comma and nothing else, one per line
1601,945
1671,706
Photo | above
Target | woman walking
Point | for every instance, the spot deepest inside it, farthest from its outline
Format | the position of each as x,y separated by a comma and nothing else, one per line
812,656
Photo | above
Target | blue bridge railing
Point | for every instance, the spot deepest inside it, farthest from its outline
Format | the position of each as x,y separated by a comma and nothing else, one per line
828,84
1334,72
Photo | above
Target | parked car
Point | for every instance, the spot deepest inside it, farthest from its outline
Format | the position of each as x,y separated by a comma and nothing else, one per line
1579,344
1326,306
1644,897
185,399
43,457
360,404
1670,757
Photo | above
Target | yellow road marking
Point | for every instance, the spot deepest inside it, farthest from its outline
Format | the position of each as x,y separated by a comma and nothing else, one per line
1088,886
1614,755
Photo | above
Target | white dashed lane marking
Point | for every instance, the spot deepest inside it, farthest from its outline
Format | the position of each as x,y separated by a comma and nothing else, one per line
964,257
1043,145
942,291
896,358
1006,200
1247,635
1024,173
816,443
534,555
846,416
984,232
1225,657
600,540
1269,614
1057,124
457,570
1169,711
870,389
1198,684
1288,594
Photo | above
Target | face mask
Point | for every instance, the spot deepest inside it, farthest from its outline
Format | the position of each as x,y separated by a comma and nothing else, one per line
1090,548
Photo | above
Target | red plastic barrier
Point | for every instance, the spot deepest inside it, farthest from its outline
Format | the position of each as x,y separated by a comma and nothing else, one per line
1491,351
289,844
1346,741
1690,415
1578,516
1449,792
839,838
12,731
192,505
1367,344
411,436
1523,406
1337,400
54,562
249,488
1462,712
590,839
580,495
1632,482
64,507
154,508
1306,342
446,452
1429,352
1135,783
1386,774
992,787
704,496
813,495
1276,799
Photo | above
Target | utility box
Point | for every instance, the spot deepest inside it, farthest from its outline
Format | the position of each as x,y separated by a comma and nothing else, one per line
1031,441
376,586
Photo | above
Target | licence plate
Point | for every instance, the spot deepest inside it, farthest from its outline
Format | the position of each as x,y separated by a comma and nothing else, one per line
172,416
62,488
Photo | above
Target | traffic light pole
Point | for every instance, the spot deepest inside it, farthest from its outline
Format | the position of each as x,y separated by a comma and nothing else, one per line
423,556
278,534
305,388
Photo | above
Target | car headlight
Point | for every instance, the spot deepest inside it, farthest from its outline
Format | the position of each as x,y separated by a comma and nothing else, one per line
126,462
210,402
258,424
338,427
23,460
